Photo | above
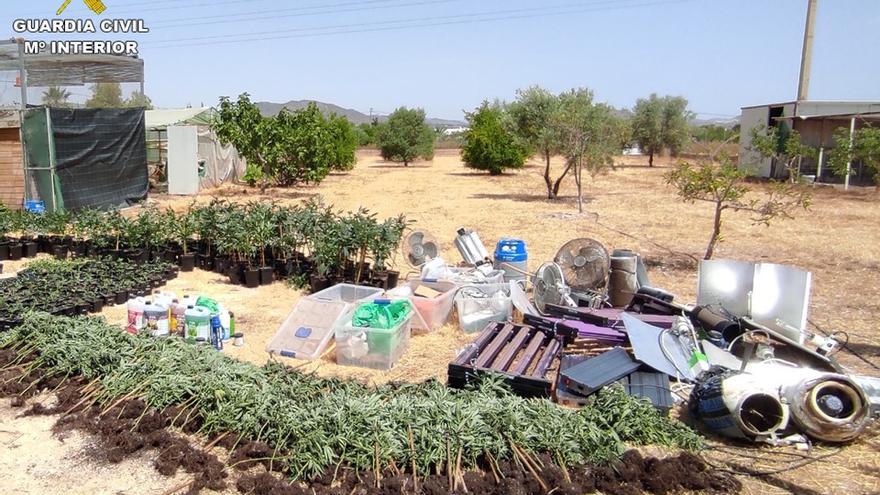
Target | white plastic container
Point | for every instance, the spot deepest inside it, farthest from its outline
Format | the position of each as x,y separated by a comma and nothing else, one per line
156,319
165,298
374,348
177,319
475,312
308,329
434,311
198,324
135,307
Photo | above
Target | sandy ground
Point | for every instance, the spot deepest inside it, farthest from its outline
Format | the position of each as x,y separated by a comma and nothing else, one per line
630,208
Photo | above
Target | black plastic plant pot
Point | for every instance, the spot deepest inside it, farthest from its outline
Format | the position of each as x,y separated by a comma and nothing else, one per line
318,283
221,264
251,278
15,251
59,251
393,278
4,251
234,274
1,268
187,262
121,297
267,275
109,299
97,305
83,308
31,249
156,282
283,268
170,256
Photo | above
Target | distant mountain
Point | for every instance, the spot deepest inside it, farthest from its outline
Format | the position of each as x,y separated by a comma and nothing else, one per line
354,116
726,123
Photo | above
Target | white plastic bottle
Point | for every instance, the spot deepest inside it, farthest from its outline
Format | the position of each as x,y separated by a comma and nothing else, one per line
135,308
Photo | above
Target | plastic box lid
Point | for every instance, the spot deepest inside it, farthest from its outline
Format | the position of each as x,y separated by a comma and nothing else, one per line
347,293
308,329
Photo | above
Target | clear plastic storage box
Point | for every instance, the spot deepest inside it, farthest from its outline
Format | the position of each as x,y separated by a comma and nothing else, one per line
375,348
434,311
308,329
479,304
346,293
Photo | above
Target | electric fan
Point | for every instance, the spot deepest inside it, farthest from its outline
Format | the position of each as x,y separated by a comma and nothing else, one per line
420,247
585,265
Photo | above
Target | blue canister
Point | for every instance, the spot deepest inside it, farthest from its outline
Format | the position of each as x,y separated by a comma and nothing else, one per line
511,257
216,332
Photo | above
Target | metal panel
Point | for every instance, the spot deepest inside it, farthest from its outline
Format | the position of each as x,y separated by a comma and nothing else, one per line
597,372
646,344
781,293
726,284
183,160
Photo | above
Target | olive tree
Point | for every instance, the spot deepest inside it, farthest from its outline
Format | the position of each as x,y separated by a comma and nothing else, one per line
865,148
405,137
724,186
783,147
533,114
660,123
489,142
588,135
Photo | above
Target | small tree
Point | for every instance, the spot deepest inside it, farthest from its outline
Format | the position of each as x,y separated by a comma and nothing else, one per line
660,123
405,136
489,143
723,185
139,100
106,95
865,149
56,97
589,136
533,114
782,146
345,142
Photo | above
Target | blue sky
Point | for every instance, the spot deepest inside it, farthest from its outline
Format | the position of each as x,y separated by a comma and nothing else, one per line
448,55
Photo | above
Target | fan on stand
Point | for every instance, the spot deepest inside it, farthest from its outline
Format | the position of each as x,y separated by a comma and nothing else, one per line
585,264
420,247
550,287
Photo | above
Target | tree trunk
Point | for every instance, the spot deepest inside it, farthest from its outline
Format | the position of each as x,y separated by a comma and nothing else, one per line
406,163
578,175
550,192
651,159
558,182
716,232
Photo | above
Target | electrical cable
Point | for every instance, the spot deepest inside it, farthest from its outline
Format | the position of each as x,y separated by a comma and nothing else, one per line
245,17
846,345
397,28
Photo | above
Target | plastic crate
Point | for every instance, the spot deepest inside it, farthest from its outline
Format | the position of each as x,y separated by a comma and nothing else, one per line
375,348
434,311
474,313
308,329
347,293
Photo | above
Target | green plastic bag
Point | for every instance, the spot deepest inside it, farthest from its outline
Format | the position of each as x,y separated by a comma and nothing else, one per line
381,315
209,304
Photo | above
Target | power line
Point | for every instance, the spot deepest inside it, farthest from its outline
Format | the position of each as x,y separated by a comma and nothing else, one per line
472,18
242,15
260,16
131,7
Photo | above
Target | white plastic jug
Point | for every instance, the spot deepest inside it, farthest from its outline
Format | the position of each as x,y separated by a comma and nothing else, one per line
156,319
135,307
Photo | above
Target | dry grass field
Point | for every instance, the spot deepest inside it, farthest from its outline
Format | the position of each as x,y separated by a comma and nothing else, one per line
631,207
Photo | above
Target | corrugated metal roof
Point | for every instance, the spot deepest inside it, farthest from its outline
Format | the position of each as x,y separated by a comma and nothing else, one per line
160,119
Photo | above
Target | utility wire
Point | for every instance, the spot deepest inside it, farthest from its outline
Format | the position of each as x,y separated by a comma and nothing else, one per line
416,23
243,16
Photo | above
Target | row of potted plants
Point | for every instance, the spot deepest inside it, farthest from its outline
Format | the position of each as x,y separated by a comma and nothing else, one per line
72,287
252,243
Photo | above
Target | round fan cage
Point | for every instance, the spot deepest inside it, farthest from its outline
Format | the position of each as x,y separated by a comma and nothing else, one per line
585,264
419,247
549,286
